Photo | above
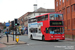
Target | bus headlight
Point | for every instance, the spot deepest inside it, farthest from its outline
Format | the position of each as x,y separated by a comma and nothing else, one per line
62,36
51,36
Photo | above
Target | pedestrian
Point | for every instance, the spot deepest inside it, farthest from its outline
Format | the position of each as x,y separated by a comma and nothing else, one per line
7,32
0,30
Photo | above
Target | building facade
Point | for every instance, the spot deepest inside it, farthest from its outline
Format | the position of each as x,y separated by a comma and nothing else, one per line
67,7
23,20
1,26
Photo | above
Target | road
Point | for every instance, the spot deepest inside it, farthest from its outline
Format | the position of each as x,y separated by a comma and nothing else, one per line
41,45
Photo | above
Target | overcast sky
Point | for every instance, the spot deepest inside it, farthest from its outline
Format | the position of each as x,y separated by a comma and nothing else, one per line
11,9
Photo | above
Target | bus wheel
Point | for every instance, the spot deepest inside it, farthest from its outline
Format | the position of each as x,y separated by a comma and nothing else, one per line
43,38
31,37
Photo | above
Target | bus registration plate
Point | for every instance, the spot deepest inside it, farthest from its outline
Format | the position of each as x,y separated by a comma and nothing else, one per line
57,39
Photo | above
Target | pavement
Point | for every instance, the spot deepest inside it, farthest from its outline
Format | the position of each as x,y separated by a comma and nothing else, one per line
2,45
11,42
41,45
69,39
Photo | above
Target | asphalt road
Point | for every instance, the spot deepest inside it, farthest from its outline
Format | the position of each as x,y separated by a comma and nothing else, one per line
41,45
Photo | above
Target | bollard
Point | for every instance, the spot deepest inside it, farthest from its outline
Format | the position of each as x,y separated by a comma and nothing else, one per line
17,39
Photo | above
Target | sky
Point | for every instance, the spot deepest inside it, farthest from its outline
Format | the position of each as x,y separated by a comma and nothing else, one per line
11,9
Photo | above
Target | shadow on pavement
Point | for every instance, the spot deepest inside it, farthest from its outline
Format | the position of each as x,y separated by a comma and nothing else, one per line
49,40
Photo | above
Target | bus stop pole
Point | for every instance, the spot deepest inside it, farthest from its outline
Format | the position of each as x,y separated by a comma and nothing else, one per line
13,35
7,38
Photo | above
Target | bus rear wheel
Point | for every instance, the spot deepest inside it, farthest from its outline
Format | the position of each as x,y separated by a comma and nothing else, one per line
43,38
31,37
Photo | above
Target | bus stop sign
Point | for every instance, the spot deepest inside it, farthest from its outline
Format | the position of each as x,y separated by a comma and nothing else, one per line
7,24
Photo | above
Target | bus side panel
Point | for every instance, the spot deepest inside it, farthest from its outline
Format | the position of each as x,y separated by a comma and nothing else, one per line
43,28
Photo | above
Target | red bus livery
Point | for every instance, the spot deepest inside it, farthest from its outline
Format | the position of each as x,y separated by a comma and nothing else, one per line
46,27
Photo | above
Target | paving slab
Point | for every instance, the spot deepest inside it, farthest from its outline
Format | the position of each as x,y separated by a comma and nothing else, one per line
11,42
69,39
14,43
2,45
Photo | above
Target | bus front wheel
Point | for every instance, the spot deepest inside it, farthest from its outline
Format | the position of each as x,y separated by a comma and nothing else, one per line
43,38
31,37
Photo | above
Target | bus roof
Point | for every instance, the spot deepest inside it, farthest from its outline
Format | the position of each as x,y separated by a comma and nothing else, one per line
49,13
45,14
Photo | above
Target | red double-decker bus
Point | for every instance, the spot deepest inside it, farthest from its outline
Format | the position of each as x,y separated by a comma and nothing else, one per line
48,26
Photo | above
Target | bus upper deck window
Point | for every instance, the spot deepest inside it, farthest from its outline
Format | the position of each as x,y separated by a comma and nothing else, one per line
42,18
52,16
46,17
39,18
60,17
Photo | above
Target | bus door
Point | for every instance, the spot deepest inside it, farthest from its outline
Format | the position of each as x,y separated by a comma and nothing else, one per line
39,33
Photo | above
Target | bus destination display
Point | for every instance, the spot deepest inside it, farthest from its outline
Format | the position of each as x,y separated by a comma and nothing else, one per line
56,23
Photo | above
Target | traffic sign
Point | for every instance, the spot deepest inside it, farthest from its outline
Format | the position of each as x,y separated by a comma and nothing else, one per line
7,24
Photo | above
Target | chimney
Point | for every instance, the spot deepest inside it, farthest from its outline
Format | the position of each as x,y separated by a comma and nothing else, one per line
35,7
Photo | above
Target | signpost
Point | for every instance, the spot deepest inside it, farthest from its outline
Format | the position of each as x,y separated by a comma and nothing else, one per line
7,25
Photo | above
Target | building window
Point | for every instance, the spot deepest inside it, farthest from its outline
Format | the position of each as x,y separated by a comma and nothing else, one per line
72,8
74,21
22,19
68,22
63,11
63,1
60,11
68,9
57,4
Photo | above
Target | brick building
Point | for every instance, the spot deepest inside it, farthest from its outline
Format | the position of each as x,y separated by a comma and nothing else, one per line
23,19
1,26
67,7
